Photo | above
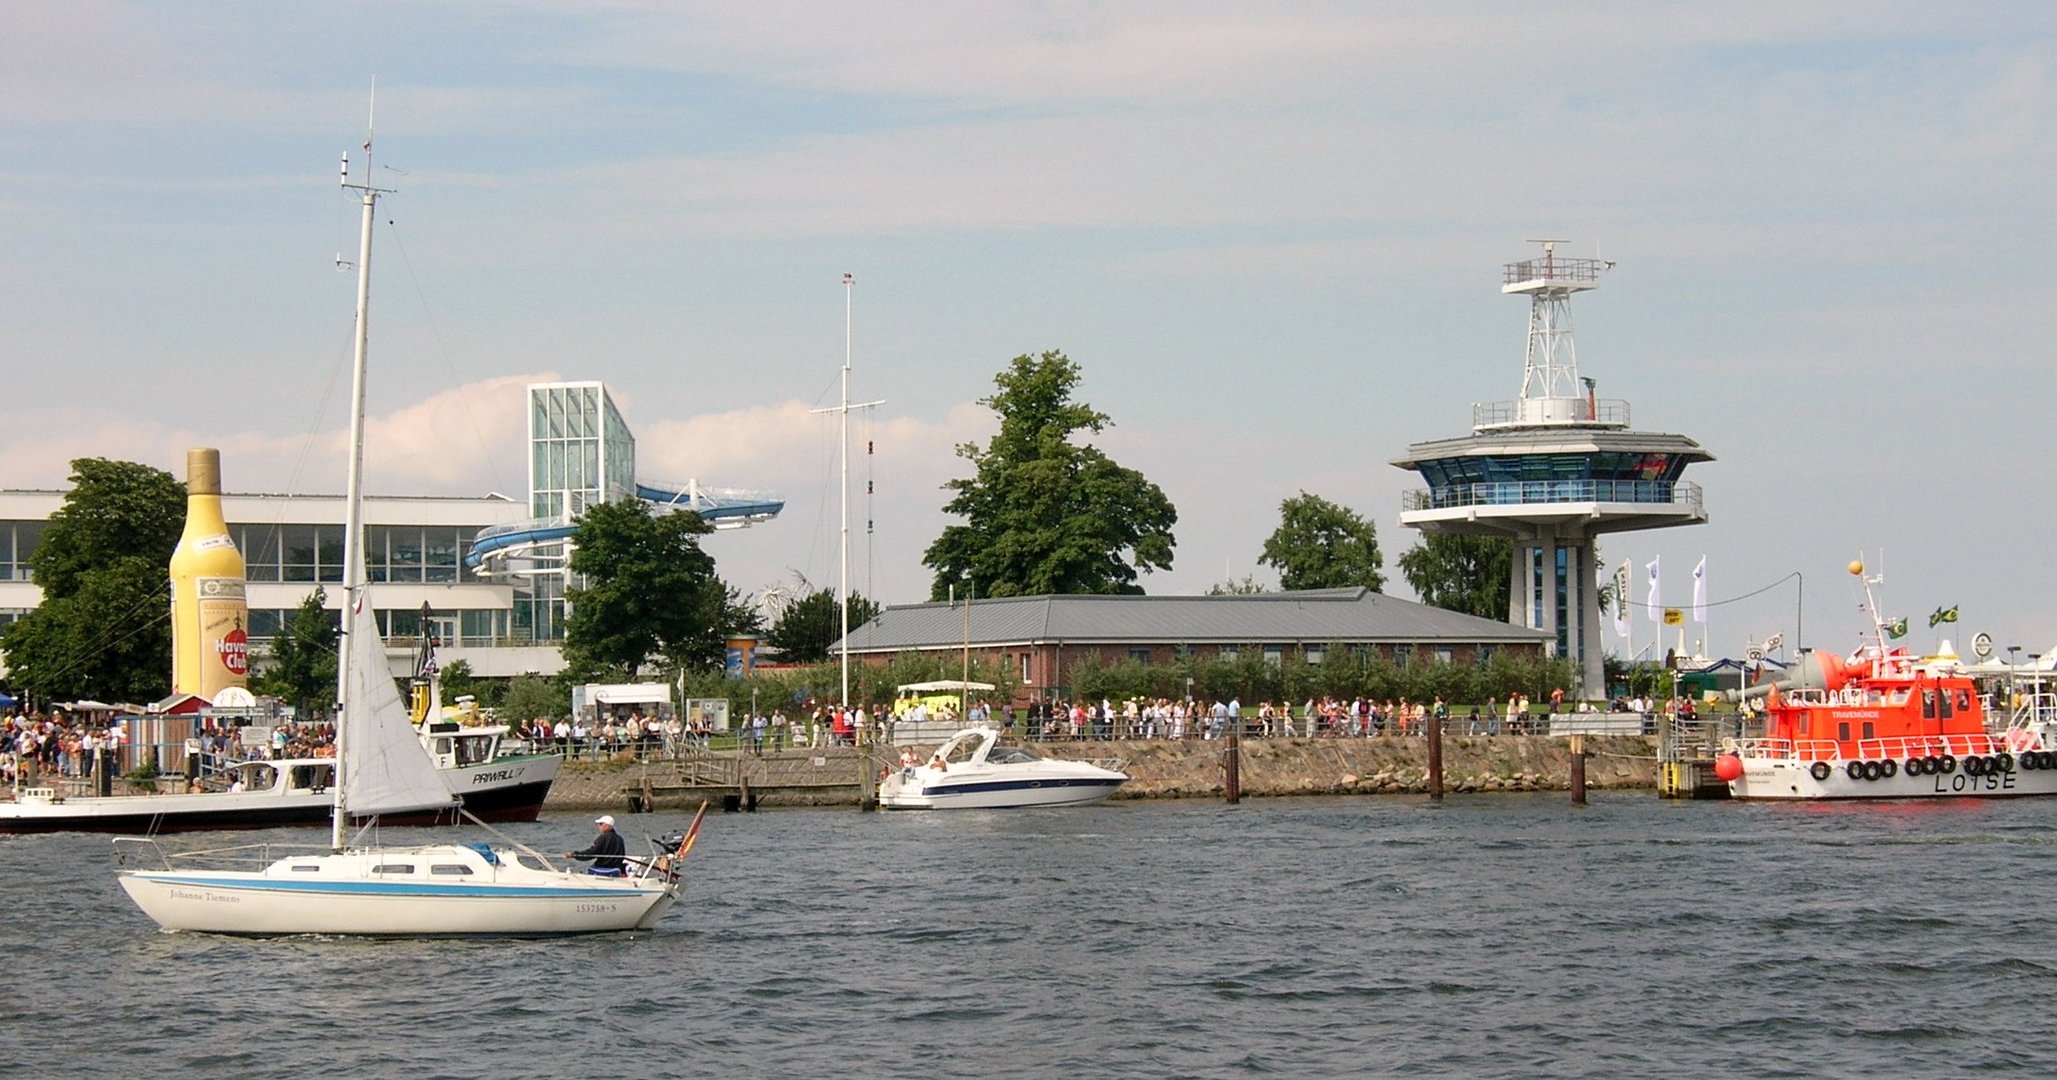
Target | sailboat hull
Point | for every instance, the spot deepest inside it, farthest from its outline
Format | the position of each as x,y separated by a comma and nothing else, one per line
356,899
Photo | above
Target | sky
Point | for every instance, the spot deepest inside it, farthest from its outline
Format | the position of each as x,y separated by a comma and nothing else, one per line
1269,234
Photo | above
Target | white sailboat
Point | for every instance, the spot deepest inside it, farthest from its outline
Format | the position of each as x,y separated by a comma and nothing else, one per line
434,889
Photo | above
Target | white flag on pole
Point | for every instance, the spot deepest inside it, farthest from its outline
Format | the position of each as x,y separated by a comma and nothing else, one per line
1621,599
1700,591
1650,601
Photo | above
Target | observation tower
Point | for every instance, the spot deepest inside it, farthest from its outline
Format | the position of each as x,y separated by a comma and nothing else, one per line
1553,469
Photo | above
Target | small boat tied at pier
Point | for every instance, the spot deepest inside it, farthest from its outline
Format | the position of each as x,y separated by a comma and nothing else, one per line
1884,723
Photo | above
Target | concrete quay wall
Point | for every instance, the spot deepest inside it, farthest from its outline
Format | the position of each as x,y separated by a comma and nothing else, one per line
1190,768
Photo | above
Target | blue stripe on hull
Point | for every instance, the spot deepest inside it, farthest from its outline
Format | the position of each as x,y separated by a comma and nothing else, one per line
386,888
945,790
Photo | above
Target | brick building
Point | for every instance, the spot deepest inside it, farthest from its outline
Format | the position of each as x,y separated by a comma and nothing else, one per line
1039,638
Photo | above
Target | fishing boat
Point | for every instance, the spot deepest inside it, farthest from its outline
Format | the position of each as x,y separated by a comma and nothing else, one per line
372,889
975,771
1885,723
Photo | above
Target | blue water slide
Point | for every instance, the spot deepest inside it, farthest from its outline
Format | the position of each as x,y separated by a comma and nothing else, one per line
724,508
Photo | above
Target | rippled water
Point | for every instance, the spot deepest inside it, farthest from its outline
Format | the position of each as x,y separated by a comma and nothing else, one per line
1491,936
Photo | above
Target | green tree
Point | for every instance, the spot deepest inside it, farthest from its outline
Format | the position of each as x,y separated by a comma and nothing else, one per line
1320,545
457,680
809,626
1247,587
1044,513
101,629
649,593
1461,573
303,658
532,696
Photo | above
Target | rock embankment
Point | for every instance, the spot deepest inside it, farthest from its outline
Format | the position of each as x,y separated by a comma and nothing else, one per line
1390,766
1194,768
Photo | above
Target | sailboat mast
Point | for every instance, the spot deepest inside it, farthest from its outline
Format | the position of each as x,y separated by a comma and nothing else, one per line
354,591
843,486
843,439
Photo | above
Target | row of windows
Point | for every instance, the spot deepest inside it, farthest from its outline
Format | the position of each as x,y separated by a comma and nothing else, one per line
477,628
1517,468
1275,655
392,553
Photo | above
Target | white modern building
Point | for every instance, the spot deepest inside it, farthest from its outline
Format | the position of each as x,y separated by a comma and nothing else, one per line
490,568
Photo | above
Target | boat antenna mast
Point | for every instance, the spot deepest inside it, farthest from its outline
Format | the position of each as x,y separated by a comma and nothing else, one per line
1878,619
355,590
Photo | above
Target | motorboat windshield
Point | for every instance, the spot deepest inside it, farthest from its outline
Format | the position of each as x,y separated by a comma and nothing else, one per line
1011,755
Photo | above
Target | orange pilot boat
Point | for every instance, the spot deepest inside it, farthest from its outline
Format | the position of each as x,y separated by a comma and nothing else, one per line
1886,724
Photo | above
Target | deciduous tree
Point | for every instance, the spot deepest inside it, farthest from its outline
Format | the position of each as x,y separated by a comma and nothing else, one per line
1461,573
101,629
1320,545
302,671
649,593
1044,512
809,625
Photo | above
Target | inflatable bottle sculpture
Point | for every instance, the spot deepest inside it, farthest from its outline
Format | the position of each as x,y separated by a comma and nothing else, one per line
210,638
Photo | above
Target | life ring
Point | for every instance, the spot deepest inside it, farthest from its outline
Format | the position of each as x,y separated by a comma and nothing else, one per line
1821,770
1915,766
1888,769
1855,769
1946,765
2004,761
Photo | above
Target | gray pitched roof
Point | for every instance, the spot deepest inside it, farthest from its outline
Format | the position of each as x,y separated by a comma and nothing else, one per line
1311,616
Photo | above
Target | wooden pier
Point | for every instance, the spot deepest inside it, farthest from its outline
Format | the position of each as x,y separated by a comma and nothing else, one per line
736,780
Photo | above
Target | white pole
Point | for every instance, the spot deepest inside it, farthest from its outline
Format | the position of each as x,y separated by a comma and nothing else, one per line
843,486
355,588
843,482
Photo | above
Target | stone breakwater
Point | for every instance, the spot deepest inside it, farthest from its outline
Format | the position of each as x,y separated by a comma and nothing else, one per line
1190,768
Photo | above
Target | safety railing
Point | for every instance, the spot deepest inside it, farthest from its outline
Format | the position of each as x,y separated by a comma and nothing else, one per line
1527,492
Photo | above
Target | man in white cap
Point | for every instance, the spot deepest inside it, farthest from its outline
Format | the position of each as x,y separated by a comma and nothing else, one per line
606,850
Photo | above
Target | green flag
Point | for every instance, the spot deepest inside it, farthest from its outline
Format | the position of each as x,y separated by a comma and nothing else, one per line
1898,629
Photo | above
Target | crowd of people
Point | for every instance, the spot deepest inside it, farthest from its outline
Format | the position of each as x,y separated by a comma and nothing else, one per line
55,744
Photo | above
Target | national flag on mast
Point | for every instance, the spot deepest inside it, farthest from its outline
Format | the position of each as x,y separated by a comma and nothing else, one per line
1650,601
1700,591
1943,615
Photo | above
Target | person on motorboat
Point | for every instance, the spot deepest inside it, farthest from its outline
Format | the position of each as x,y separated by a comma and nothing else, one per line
606,850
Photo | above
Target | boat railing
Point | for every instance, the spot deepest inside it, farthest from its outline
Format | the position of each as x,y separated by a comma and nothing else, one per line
2034,710
1905,746
130,850
1782,749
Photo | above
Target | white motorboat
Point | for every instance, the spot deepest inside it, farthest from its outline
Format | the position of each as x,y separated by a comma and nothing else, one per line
974,771
432,889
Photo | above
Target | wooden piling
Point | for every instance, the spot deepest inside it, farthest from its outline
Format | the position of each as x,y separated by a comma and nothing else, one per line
1435,758
1232,761
1578,770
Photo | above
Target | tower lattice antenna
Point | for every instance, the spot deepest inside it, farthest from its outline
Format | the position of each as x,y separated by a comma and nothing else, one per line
1551,390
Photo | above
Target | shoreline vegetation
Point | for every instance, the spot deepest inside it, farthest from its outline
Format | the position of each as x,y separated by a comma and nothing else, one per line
1163,769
